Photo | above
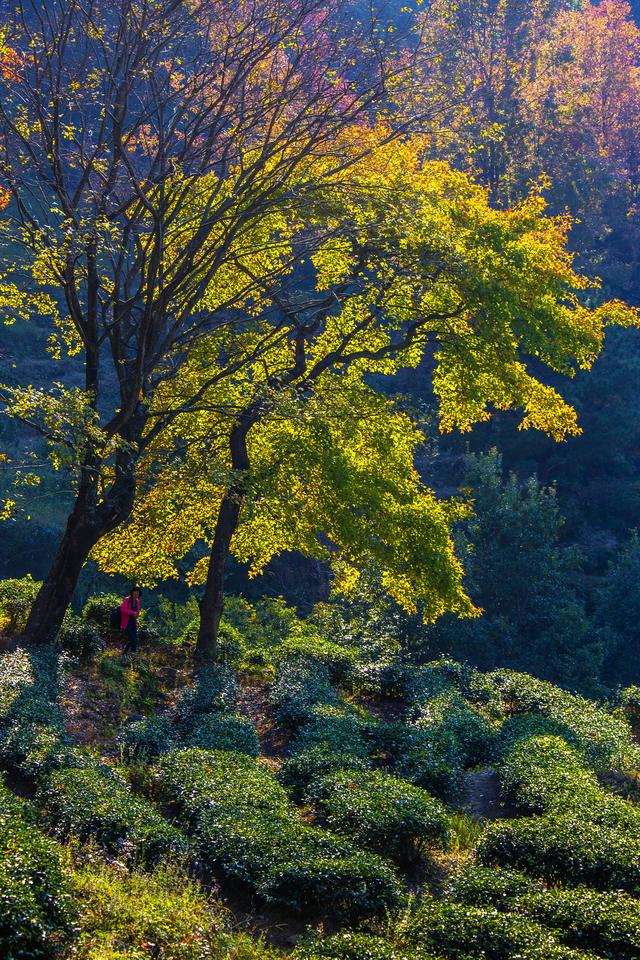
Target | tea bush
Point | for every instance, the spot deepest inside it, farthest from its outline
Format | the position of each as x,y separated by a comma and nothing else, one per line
16,598
432,759
605,739
380,812
608,922
148,738
214,689
301,684
244,823
542,773
491,887
32,738
94,802
461,932
36,912
545,774
565,849
224,732
307,766
98,609
358,946
448,715
332,739
80,637
523,726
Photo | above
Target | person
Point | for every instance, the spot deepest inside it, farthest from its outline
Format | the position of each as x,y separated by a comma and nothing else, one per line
129,613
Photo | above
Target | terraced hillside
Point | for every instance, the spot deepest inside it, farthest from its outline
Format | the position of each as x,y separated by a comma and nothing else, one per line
320,806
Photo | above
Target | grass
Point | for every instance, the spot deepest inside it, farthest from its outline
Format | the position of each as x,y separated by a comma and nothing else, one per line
130,915
465,832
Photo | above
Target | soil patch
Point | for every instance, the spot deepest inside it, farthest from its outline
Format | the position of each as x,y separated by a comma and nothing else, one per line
482,798
253,703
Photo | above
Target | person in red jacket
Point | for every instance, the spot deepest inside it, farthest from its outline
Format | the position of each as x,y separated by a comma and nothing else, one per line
129,613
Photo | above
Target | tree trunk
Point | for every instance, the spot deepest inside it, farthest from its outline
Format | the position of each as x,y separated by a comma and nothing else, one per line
212,601
86,525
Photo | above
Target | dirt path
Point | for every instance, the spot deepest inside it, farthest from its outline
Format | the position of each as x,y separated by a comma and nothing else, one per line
481,792
253,703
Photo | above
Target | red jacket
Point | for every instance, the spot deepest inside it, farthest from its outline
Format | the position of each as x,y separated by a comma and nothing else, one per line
128,608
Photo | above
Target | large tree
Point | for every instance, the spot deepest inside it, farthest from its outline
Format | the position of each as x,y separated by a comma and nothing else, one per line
420,265
149,147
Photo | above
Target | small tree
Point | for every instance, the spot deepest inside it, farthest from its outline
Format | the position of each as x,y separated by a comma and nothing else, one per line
525,581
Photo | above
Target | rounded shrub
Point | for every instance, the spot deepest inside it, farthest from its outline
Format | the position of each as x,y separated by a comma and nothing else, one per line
98,609
92,802
565,849
243,823
461,932
380,812
214,689
216,731
301,684
356,946
488,887
607,923
80,637
36,912
148,738
605,739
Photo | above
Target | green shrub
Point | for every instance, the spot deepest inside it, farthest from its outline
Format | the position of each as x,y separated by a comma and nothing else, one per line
332,739
224,732
97,610
16,598
81,638
545,774
305,767
144,739
36,914
244,824
542,773
524,726
608,923
606,740
432,759
630,702
300,685
461,932
32,737
491,887
380,812
214,689
94,802
356,946
565,849
450,716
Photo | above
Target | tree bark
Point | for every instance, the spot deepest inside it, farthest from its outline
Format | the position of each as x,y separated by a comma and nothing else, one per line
212,601
86,525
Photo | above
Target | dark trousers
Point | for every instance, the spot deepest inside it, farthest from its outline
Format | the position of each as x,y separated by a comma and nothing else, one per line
131,635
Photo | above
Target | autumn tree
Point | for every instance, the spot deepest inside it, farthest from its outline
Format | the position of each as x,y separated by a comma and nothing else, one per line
420,264
149,148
